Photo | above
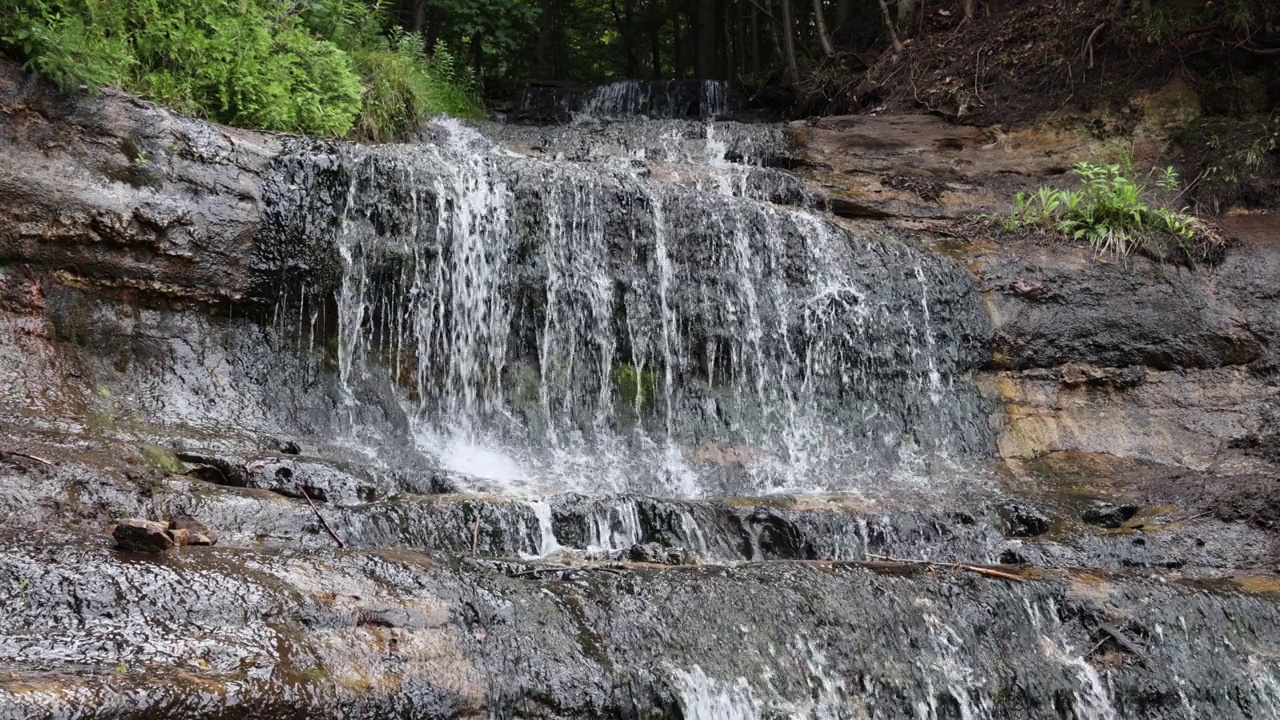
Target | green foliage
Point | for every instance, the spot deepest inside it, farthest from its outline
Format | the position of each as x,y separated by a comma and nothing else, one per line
63,46
1110,211
406,85
252,63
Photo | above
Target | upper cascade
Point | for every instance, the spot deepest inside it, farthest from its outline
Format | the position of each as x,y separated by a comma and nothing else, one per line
653,99
588,326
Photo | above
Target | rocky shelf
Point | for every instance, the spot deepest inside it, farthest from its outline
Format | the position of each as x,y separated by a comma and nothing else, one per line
1064,500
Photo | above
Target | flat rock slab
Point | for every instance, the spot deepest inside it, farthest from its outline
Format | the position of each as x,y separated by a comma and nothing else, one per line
92,633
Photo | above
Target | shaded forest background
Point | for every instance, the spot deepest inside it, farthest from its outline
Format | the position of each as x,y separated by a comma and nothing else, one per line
832,56
373,69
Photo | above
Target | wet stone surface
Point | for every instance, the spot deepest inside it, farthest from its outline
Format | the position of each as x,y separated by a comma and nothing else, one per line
375,634
671,442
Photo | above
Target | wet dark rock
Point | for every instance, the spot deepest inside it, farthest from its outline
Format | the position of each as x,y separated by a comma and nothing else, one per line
1140,358
288,447
657,554
1023,521
1107,515
143,536
1011,556
295,477
215,469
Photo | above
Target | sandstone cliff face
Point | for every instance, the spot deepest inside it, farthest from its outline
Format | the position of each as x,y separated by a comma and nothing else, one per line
113,192
1134,358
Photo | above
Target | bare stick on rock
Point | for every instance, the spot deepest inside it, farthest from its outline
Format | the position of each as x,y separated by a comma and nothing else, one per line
323,522
14,453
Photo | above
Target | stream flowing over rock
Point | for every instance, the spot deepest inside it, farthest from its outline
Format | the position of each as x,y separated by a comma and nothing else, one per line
608,414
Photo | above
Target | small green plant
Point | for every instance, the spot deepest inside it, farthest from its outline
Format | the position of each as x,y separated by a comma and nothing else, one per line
636,387
1111,211
160,458
406,85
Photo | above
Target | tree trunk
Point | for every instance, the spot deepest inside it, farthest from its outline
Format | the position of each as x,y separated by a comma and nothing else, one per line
433,29
477,54
626,31
755,48
677,41
419,15
708,35
789,43
541,66
820,21
888,26
844,15
655,38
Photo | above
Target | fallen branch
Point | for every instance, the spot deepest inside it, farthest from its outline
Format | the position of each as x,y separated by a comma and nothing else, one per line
1262,51
25,455
989,572
475,537
323,522
613,570
1128,645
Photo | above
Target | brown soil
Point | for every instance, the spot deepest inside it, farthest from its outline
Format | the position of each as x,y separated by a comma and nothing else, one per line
1023,60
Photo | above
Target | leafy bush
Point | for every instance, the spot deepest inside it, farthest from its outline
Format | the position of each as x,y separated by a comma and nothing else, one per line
1113,213
252,63
406,85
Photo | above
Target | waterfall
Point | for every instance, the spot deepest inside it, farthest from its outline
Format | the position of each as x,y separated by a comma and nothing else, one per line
585,326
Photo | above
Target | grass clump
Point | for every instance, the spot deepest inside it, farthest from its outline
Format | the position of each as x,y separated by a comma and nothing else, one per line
1115,214
406,84
320,67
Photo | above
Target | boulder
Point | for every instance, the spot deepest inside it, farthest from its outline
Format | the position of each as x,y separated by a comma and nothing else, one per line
142,536
1023,521
1109,516
195,532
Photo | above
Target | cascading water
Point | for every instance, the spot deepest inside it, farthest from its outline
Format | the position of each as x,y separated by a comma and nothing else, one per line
630,98
586,315
583,326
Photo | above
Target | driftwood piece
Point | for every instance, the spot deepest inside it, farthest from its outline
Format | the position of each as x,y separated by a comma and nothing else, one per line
980,570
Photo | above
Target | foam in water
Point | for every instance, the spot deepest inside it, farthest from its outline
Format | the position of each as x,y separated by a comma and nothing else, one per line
1092,698
703,698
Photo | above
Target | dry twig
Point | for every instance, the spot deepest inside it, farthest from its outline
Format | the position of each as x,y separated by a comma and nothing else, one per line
14,453
323,522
